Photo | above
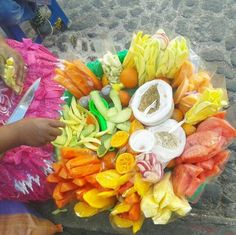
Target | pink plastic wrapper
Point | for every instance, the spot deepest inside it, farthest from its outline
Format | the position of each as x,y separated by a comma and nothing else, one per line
23,170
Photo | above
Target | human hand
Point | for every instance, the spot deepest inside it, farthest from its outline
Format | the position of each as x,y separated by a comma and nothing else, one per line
38,131
7,52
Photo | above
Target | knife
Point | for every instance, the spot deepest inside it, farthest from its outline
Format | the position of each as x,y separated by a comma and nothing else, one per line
24,103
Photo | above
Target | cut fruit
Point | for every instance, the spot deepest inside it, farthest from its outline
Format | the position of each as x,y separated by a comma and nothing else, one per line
119,139
125,163
84,210
94,200
181,91
189,129
186,70
177,115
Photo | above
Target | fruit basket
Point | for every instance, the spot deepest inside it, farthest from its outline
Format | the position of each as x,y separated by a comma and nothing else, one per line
146,130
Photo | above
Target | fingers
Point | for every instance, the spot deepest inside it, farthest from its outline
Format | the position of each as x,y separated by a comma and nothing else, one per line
55,132
56,123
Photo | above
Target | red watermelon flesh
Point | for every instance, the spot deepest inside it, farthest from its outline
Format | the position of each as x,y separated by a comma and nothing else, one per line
220,115
210,173
195,183
221,158
207,165
218,125
202,152
183,176
181,179
207,139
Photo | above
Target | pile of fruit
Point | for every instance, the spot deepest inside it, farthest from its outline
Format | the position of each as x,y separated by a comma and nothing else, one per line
144,132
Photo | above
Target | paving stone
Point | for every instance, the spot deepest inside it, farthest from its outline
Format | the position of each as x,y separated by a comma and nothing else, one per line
164,5
119,36
181,28
121,14
231,85
113,25
176,4
170,17
213,5
98,3
136,12
92,35
217,29
130,26
188,13
202,27
231,12
190,3
105,13
230,210
230,191
212,54
233,57
210,198
230,42
226,69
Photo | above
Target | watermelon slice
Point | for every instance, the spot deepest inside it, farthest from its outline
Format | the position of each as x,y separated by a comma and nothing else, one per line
184,179
192,188
215,171
207,165
201,147
221,158
218,125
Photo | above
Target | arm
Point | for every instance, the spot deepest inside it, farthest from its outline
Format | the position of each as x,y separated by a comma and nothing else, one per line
29,131
8,138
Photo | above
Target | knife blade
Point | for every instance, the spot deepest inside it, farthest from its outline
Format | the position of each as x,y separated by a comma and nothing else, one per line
24,103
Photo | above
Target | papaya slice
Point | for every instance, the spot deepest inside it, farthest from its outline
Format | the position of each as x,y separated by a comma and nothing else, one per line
181,90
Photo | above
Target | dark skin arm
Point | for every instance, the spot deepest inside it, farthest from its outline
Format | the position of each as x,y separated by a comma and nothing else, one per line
29,131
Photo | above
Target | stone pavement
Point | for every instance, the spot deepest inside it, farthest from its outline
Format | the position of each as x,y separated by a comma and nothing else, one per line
210,26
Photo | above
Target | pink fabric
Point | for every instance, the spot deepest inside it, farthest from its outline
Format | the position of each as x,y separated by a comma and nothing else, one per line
23,170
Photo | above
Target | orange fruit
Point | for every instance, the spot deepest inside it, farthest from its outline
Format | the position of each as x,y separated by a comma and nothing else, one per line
189,129
177,115
129,78
124,98
125,163
135,126
181,90
119,139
